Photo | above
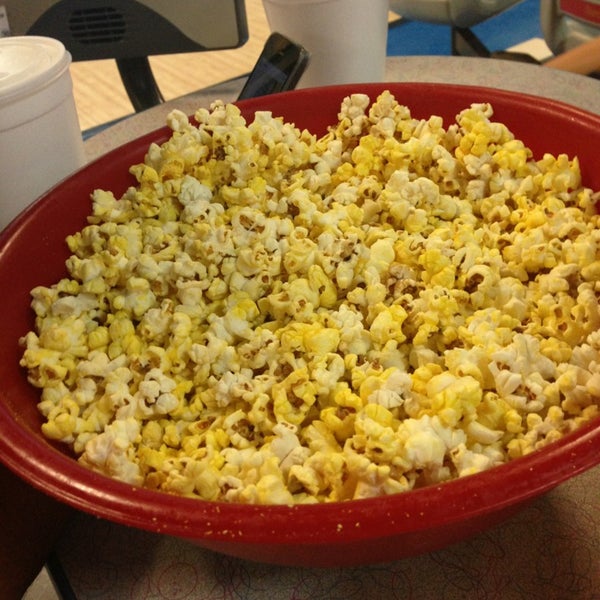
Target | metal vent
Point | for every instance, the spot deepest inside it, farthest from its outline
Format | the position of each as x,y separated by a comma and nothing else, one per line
102,25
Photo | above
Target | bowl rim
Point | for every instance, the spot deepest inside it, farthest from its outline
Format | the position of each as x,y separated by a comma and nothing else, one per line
412,511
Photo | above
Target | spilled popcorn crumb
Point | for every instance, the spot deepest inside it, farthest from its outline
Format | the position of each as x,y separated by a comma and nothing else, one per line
271,317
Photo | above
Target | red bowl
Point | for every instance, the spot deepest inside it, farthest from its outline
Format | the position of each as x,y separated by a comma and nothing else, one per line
32,252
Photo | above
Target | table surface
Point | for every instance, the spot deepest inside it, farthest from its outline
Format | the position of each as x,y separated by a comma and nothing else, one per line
550,550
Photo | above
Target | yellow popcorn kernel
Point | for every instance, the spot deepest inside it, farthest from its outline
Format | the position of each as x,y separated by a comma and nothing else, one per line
568,380
452,398
240,316
340,420
344,397
217,290
560,174
344,275
270,488
372,383
375,480
555,417
513,421
321,340
381,255
96,286
519,447
321,474
251,260
129,345
354,217
587,414
302,299
260,350
475,143
300,256
99,338
62,337
473,362
333,468
319,282
365,156
591,271
88,269
120,327
206,484
537,257
171,436
152,434
576,396
380,414
416,220
533,421
376,440
179,483
317,437
557,350
44,367
106,207
469,462
292,336
138,297
433,261
239,429
343,172
293,397
192,445
217,439
492,410
387,325
593,385
61,427
42,300
422,374
494,208
427,324
173,168
444,277
375,295
306,478
512,156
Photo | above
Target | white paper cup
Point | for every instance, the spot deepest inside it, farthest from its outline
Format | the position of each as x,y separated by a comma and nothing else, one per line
347,39
40,136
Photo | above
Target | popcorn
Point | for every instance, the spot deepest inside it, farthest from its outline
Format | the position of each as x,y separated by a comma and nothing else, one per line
271,317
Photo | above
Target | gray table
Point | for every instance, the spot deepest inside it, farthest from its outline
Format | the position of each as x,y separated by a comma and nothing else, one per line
550,550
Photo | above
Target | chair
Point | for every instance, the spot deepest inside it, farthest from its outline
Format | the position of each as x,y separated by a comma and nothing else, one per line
460,15
567,24
129,32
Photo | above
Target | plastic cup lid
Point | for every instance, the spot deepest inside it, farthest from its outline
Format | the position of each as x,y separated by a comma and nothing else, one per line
28,63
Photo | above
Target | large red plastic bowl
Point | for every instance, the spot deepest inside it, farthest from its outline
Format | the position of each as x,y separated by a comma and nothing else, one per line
32,252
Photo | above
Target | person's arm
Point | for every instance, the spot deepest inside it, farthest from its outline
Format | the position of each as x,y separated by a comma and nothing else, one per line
583,59
31,524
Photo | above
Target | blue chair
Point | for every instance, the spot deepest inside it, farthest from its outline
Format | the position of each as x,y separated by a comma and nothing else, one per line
460,15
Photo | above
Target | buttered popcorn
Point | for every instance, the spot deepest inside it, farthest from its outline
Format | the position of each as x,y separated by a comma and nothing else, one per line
272,317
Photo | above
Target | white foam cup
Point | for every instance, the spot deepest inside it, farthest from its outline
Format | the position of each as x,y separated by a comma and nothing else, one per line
347,39
40,136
